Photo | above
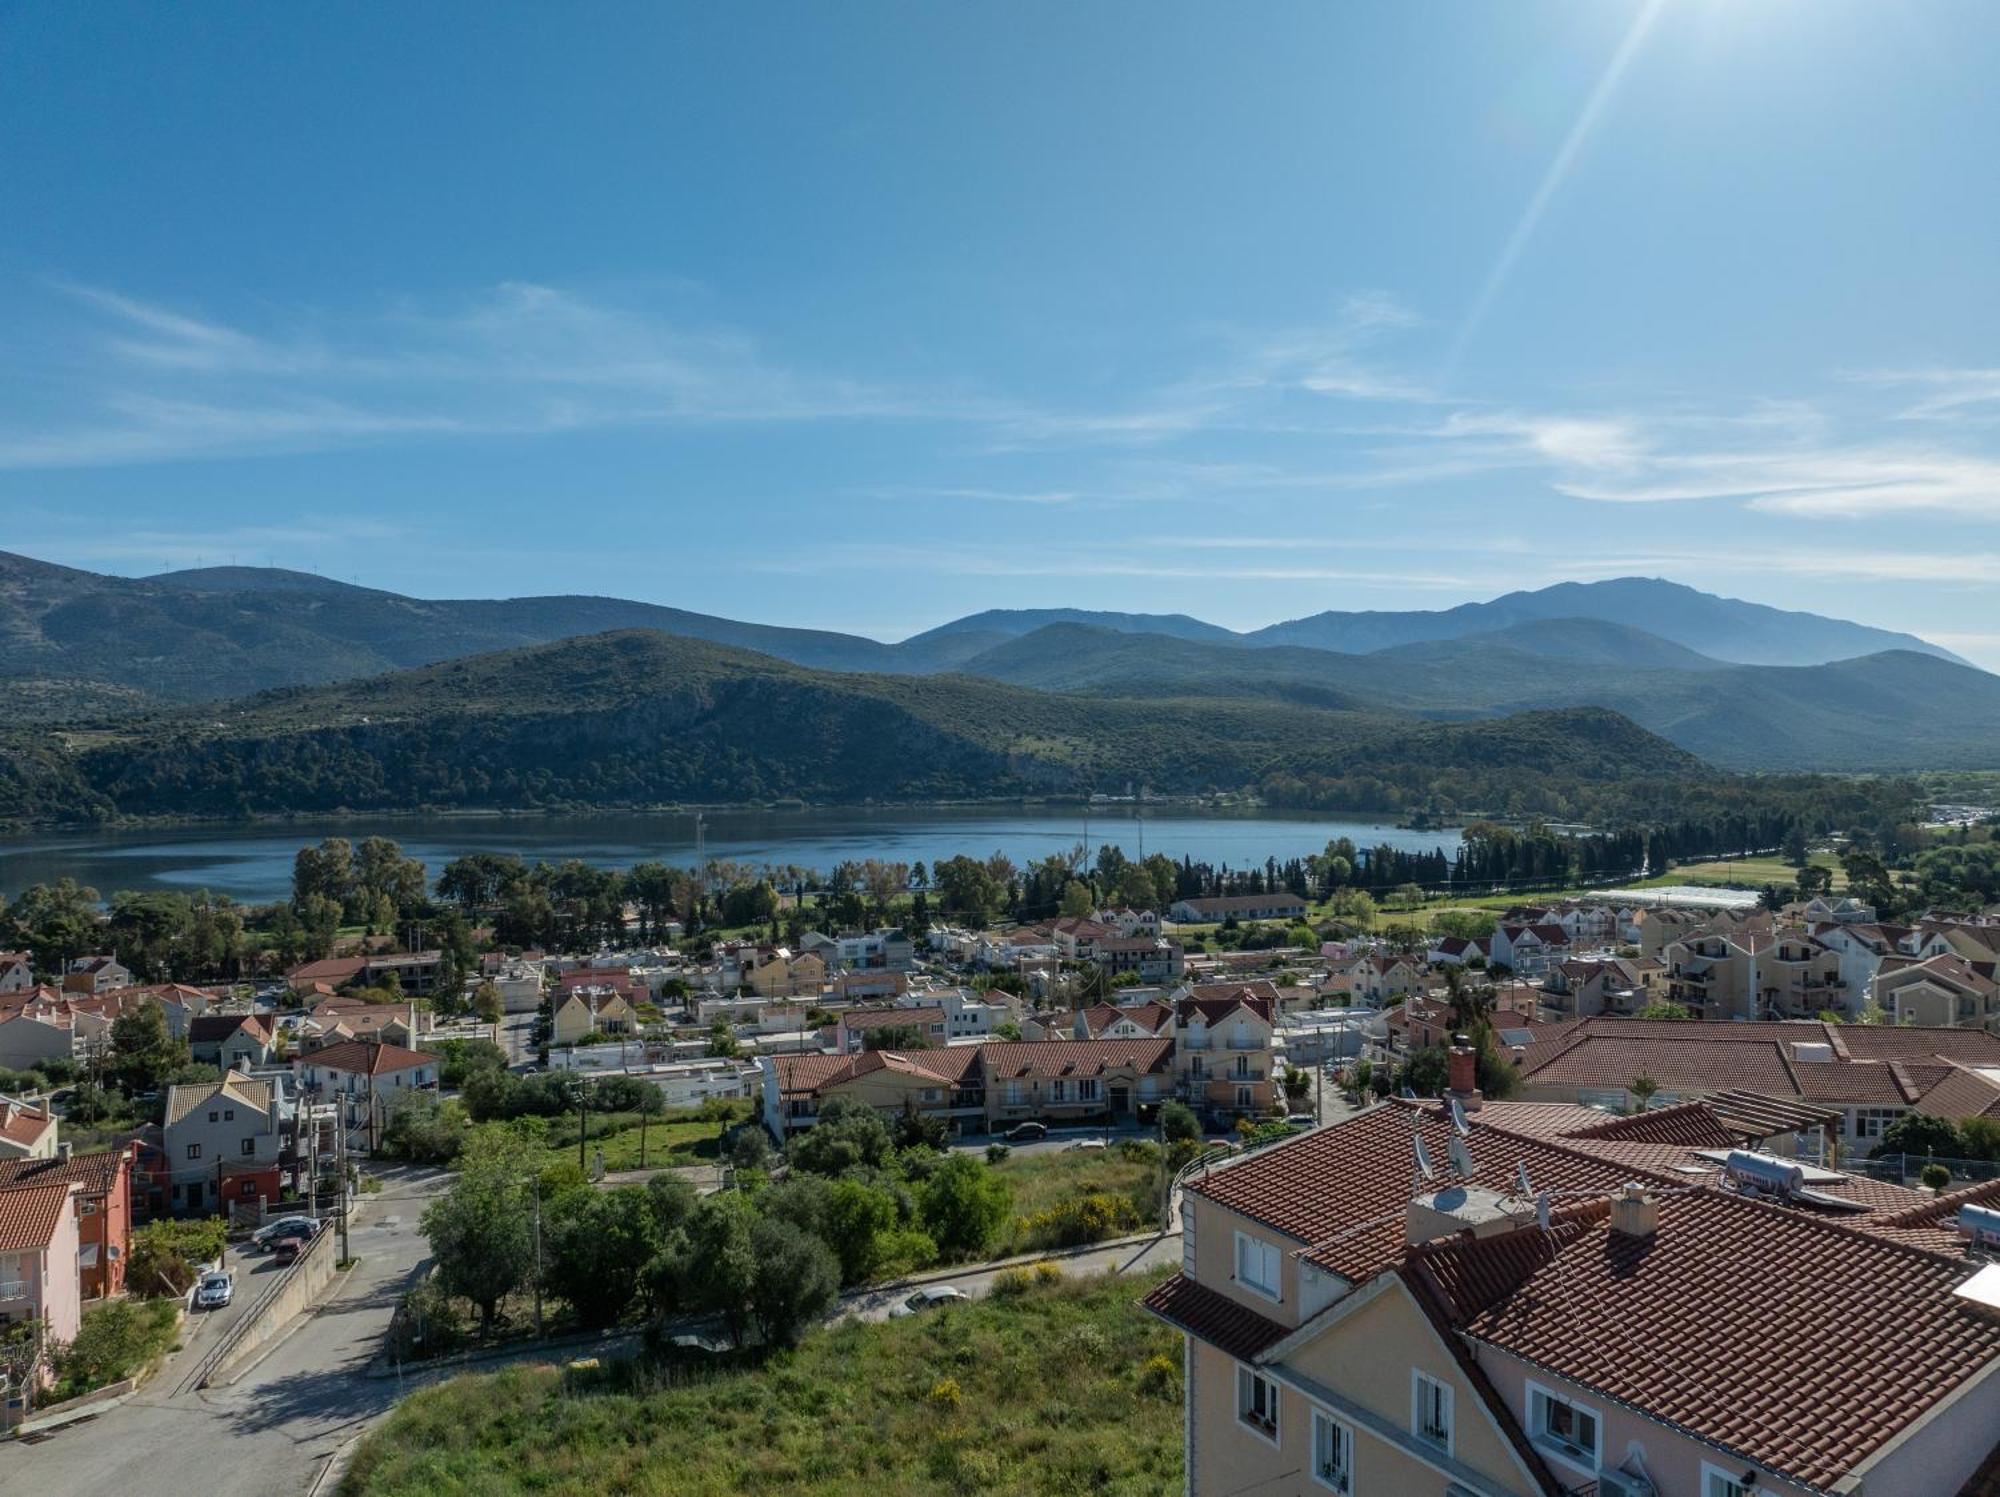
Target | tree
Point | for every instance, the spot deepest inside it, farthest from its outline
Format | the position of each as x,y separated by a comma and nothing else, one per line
1920,1133
1427,1072
1644,1088
481,1231
796,1280
597,1244
55,922
720,1272
1077,900
963,1206
488,1004
166,1254
1662,1009
143,1053
751,1148
1935,1178
856,1218
722,1039
423,1130
846,1136
1178,1124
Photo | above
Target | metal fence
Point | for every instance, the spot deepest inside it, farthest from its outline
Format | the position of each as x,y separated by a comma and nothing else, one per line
1908,1169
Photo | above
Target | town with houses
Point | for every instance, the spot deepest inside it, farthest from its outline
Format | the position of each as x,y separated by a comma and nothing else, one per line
1678,1193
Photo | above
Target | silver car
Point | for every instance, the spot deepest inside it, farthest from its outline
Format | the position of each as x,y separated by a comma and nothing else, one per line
929,1299
214,1291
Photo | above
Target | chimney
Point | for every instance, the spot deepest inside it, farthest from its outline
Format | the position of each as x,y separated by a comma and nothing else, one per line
1635,1213
1463,1073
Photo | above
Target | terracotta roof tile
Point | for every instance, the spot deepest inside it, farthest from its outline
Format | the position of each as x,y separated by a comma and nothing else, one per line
1213,1317
29,1217
365,1058
1747,1358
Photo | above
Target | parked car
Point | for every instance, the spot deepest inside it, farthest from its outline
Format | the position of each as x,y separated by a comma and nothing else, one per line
1025,1133
1090,1143
214,1291
928,1299
1298,1122
271,1234
287,1249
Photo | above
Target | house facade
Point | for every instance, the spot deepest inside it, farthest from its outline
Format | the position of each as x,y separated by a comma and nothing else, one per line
227,1143
103,1208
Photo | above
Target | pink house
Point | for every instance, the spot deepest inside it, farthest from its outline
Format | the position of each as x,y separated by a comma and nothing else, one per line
38,1259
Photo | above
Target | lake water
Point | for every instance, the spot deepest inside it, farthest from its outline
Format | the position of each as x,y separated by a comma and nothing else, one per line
253,864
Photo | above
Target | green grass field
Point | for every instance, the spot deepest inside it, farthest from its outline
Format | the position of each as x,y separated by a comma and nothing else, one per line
1041,1182
1063,1390
675,1140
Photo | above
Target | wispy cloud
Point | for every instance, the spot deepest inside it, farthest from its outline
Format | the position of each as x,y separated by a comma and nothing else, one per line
1945,394
521,359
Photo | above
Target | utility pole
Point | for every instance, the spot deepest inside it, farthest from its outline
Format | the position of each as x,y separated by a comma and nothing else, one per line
537,1179
582,1113
340,1177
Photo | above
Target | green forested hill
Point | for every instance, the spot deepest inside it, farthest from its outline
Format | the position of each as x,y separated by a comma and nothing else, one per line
637,717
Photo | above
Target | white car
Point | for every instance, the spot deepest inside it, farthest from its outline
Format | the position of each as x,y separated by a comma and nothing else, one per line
214,1291
1090,1143
929,1299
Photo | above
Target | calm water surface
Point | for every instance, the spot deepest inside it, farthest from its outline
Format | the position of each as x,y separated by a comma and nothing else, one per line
254,863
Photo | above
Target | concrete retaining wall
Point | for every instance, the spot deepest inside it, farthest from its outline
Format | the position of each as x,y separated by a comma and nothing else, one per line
301,1286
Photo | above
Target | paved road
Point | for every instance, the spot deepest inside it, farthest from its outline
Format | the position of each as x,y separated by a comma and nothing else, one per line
268,1434
1158,1252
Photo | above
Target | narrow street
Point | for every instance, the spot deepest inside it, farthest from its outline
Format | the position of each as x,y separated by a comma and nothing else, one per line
268,1434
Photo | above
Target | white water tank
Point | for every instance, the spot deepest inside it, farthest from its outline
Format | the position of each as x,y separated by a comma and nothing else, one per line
1765,1172
1812,1052
1981,1224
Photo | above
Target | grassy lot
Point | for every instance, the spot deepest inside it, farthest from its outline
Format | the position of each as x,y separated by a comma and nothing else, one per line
1063,1389
1043,1182
674,1139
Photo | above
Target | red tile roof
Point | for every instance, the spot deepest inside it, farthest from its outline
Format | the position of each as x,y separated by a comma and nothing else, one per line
1215,1318
1690,1123
23,1125
1740,1322
1006,1062
364,1058
29,1217
96,1173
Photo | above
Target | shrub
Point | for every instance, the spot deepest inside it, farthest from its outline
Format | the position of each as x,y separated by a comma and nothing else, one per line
945,1394
904,1251
1161,1378
1047,1273
1011,1283
963,1205
1935,1177
1080,1220
116,1339
997,1153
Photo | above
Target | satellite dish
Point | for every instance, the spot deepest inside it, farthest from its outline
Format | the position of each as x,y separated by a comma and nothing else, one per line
1409,1093
1542,1211
1522,1186
1459,1120
1461,1157
1424,1166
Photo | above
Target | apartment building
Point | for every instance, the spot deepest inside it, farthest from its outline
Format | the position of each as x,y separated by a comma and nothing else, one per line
227,1143
1227,1053
1529,1306
1755,974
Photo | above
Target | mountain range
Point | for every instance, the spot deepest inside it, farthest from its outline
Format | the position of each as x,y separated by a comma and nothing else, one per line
638,717
1740,684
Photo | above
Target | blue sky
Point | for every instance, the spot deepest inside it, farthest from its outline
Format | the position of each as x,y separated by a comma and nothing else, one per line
866,316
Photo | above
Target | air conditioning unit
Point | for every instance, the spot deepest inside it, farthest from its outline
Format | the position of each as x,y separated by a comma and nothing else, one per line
1619,1484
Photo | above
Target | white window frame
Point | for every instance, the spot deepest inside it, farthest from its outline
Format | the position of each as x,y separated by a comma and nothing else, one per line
1321,1420
1723,1481
1540,1398
1086,1090
1246,1378
1275,1290
1418,1381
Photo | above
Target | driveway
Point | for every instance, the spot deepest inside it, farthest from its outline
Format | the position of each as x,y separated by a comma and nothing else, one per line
269,1433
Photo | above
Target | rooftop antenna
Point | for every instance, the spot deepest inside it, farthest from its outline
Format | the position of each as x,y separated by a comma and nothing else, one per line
1522,1186
1542,1211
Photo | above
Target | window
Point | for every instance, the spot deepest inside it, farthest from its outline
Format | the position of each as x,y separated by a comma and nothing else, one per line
249,1189
215,1117
1057,1089
1333,1453
228,1114
1245,1098
1430,1411
194,1151
1257,1403
249,1146
1013,1094
1086,1091
1257,1265
1716,1482
1871,1122
1566,1430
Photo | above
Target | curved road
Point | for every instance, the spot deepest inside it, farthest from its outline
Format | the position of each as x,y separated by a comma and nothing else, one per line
269,1433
